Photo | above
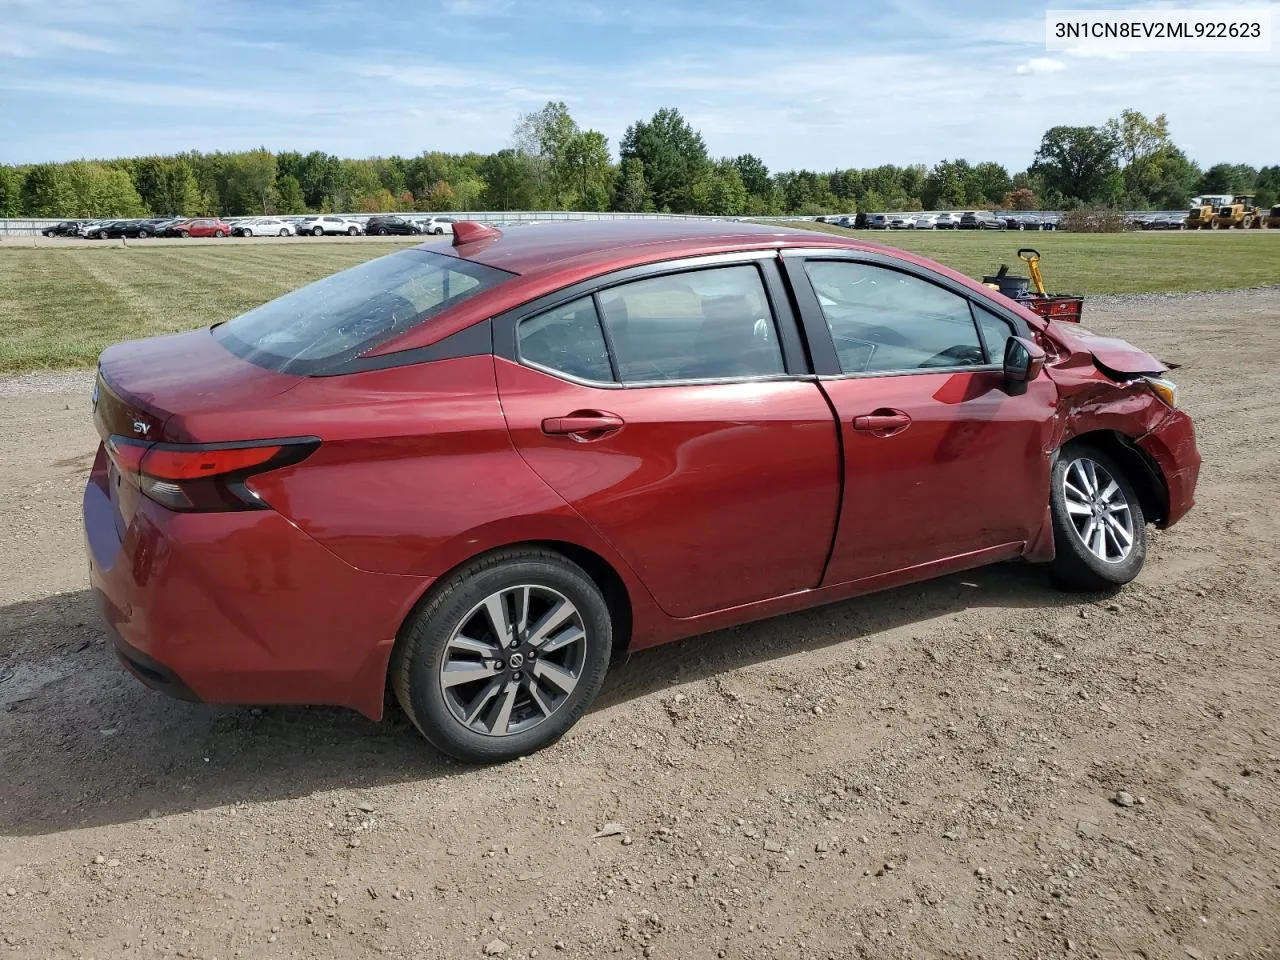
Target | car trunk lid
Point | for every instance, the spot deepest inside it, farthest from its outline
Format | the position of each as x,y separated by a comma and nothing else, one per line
150,390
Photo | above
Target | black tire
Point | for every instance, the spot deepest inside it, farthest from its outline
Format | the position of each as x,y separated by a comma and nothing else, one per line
439,231
421,648
1075,566
183,234
283,232
381,231
317,231
143,234
246,232
352,232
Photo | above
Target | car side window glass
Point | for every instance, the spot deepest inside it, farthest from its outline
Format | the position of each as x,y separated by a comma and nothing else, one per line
887,321
697,325
567,340
996,332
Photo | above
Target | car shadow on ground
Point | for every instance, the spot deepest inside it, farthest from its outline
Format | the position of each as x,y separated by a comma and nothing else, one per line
83,744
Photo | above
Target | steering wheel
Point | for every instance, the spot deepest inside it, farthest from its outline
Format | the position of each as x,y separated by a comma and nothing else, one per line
885,335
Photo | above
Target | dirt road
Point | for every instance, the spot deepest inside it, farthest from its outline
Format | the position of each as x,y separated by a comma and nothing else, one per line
930,772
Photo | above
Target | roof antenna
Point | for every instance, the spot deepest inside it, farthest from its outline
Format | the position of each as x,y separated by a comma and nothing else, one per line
469,231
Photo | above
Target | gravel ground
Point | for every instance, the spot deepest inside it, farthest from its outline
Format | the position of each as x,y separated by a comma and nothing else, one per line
976,767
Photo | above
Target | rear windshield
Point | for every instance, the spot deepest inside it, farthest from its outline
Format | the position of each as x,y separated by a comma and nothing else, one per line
331,321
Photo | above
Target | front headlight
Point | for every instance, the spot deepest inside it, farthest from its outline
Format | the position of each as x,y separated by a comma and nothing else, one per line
1166,390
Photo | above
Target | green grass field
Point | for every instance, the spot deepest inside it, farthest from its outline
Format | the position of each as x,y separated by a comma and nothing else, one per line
60,307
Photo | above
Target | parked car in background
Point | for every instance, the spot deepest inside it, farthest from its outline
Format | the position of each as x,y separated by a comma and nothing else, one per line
115,229
67,228
1051,221
1165,221
877,221
99,230
328,226
498,467
383,225
437,225
946,221
262,227
901,221
980,220
200,227
924,221
1021,221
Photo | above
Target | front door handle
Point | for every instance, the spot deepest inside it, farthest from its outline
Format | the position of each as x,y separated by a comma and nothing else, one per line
582,423
884,422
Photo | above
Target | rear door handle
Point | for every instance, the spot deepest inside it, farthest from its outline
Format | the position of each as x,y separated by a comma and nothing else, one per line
882,423
582,422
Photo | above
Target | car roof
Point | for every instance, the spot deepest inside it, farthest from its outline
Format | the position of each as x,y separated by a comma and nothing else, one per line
611,244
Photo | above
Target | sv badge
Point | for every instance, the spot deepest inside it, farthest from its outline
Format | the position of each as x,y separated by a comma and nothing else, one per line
141,428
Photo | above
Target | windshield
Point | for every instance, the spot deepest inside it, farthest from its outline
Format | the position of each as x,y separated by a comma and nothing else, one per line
337,319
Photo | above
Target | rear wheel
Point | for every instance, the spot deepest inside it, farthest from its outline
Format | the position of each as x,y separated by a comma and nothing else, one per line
505,656
183,234
218,233
1099,532
352,231
284,232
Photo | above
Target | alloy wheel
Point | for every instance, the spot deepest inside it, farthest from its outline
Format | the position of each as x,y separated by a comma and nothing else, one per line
513,660
1098,510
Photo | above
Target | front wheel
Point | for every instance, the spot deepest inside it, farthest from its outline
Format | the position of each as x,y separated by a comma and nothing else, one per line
505,656
1099,532
283,232
218,233
352,231
317,231
246,232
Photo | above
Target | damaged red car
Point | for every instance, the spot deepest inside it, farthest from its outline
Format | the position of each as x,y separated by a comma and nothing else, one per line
472,472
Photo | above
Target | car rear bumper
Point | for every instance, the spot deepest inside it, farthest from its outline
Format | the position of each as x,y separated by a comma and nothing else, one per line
239,607
1172,445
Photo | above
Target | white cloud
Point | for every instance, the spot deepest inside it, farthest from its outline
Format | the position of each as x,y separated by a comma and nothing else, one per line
17,40
1041,65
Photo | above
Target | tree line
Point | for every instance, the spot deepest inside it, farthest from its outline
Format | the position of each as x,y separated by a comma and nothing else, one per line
663,165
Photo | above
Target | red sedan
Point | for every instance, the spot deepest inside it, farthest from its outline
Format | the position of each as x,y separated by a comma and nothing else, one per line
475,470
201,227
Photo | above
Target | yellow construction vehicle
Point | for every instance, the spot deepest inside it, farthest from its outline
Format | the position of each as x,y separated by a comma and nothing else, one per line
1273,218
1241,212
1200,217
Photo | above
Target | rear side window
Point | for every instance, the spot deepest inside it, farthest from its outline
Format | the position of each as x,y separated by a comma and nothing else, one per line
698,325
567,340
337,319
886,321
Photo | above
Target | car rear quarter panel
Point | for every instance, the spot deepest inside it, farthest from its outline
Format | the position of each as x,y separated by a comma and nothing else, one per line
417,473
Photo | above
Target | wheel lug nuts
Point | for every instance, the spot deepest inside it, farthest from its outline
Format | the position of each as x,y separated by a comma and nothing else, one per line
518,675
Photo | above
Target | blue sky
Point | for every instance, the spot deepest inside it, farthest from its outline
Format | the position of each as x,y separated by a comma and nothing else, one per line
804,83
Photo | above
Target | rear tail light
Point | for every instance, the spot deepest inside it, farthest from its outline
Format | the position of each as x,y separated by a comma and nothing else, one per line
204,477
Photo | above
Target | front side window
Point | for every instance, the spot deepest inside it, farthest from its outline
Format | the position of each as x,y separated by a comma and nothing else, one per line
567,340
699,325
886,321
996,332
339,318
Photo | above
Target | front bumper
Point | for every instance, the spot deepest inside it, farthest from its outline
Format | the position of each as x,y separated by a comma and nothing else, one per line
238,607
1172,445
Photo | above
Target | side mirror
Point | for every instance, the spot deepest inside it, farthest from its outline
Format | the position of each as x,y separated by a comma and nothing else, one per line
1023,361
